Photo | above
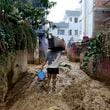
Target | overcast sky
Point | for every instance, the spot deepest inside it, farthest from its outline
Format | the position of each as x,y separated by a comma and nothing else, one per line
58,11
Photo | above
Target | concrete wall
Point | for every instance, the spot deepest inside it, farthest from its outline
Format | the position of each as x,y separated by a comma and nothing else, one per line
20,64
31,57
87,17
11,71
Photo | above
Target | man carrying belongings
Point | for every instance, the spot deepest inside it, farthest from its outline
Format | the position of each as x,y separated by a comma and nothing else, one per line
56,46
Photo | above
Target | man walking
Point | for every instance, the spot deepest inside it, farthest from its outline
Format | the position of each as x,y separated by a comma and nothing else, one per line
53,59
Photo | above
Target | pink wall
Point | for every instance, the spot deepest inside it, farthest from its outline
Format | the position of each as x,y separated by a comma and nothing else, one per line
102,70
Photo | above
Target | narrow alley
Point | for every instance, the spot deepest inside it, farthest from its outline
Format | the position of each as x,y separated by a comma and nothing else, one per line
69,40
75,91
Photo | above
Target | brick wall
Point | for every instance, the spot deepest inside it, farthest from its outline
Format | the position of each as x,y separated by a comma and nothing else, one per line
99,3
102,70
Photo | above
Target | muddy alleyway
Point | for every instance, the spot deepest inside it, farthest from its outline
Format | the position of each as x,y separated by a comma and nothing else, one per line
74,91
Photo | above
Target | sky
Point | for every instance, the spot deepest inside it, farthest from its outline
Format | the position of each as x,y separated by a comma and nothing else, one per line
57,12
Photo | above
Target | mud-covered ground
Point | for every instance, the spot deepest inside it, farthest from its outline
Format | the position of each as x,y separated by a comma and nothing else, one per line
74,91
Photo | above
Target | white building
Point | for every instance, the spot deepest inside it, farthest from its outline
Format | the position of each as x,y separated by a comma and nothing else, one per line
69,28
86,18
95,15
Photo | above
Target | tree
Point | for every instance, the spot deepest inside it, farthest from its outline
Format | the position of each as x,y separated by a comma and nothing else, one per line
20,18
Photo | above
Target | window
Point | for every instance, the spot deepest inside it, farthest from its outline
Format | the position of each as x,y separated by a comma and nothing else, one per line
70,32
76,20
61,32
76,32
70,19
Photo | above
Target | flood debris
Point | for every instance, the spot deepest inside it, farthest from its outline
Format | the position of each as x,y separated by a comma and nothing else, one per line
74,91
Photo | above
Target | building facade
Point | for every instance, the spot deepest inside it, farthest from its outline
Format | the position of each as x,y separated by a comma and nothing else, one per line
69,28
86,18
95,15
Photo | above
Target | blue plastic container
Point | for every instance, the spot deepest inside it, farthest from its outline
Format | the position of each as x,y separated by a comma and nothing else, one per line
41,75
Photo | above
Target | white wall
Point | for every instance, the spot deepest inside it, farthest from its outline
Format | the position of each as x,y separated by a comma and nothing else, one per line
80,28
87,17
72,26
65,36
